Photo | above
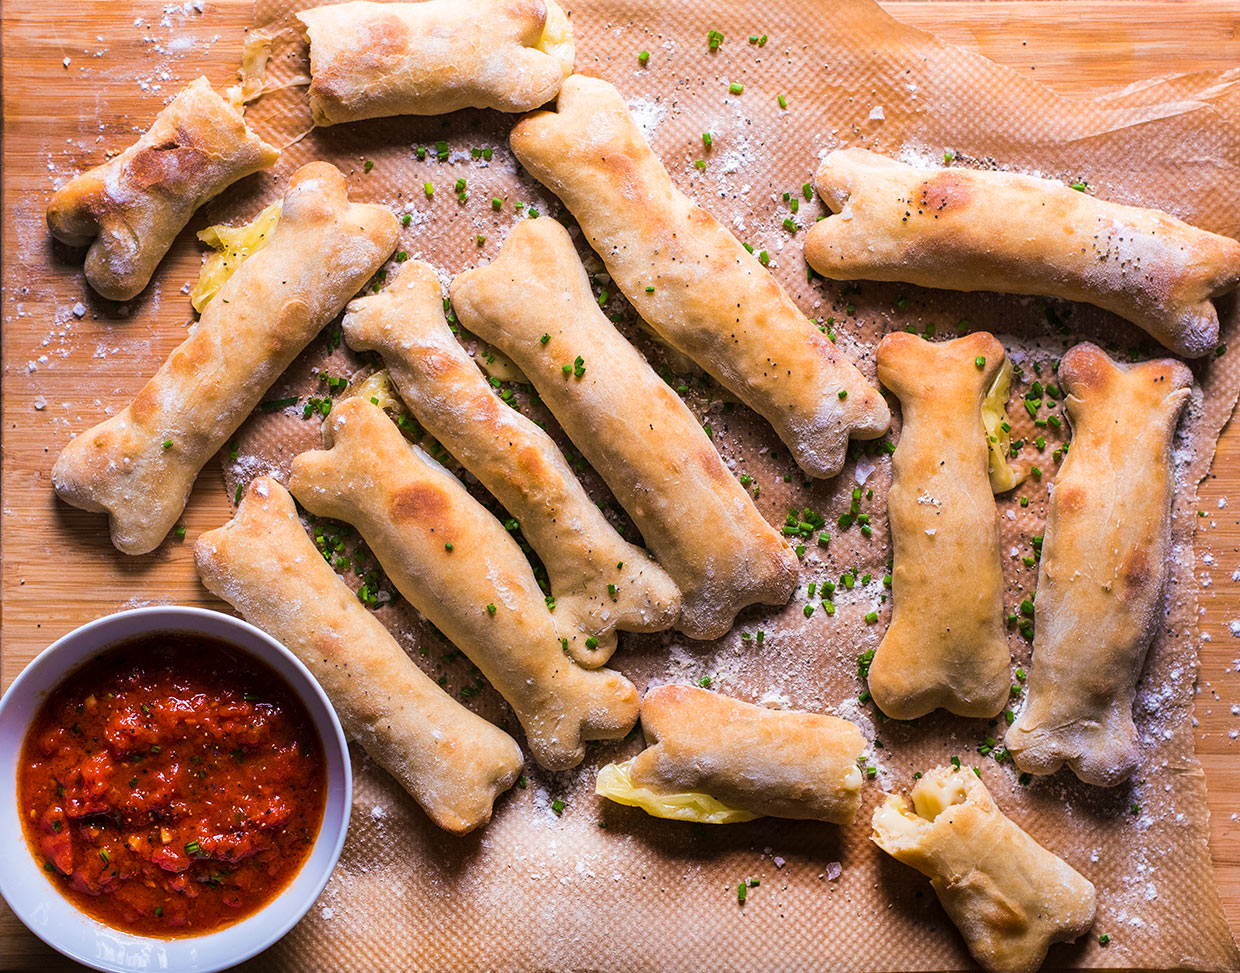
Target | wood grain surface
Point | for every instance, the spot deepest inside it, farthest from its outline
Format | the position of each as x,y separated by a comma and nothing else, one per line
1078,48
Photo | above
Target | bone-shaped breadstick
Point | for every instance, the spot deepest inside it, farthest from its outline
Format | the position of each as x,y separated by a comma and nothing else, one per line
140,465
783,763
693,281
632,428
969,230
599,581
454,763
368,60
457,565
946,646
1104,566
1009,897
131,209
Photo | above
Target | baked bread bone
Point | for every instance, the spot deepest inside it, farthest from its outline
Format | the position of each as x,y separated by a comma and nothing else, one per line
130,209
410,510
139,466
634,430
1009,897
453,762
518,463
712,300
946,646
969,230
1104,567
783,763
371,60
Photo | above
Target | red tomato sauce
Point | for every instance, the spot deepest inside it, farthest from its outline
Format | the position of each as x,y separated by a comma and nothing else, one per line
172,785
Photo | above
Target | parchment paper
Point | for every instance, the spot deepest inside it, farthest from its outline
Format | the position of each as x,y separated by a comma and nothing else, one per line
604,887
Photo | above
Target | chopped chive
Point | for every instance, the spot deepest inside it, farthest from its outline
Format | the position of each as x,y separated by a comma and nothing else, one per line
783,102
707,139
491,609
643,57
736,88
979,361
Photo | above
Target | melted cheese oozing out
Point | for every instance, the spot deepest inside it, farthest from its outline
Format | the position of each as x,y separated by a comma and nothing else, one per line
376,388
254,57
933,796
557,37
999,441
232,245
898,827
615,783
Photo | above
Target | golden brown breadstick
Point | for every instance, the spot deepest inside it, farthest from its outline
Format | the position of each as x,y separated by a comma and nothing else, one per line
1009,897
1104,566
632,428
262,562
946,645
457,565
968,230
711,299
140,465
131,208
369,60
599,582
749,758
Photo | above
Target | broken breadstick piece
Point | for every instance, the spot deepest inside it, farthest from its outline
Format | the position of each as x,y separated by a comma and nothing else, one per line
599,581
262,562
131,208
139,466
1009,897
1104,566
946,646
370,60
693,281
717,760
534,303
970,230
457,565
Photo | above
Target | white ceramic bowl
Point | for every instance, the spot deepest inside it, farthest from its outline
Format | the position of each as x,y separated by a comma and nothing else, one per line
53,918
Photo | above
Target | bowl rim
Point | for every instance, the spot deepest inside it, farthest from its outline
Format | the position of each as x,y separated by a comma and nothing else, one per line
53,917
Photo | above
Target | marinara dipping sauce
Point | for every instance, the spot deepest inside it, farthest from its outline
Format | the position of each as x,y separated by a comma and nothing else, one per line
172,785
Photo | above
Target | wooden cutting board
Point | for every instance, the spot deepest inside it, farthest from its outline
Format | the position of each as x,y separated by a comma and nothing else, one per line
112,56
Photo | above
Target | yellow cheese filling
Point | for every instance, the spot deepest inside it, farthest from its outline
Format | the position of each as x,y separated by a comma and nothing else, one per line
557,37
232,245
900,829
999,438
616,784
